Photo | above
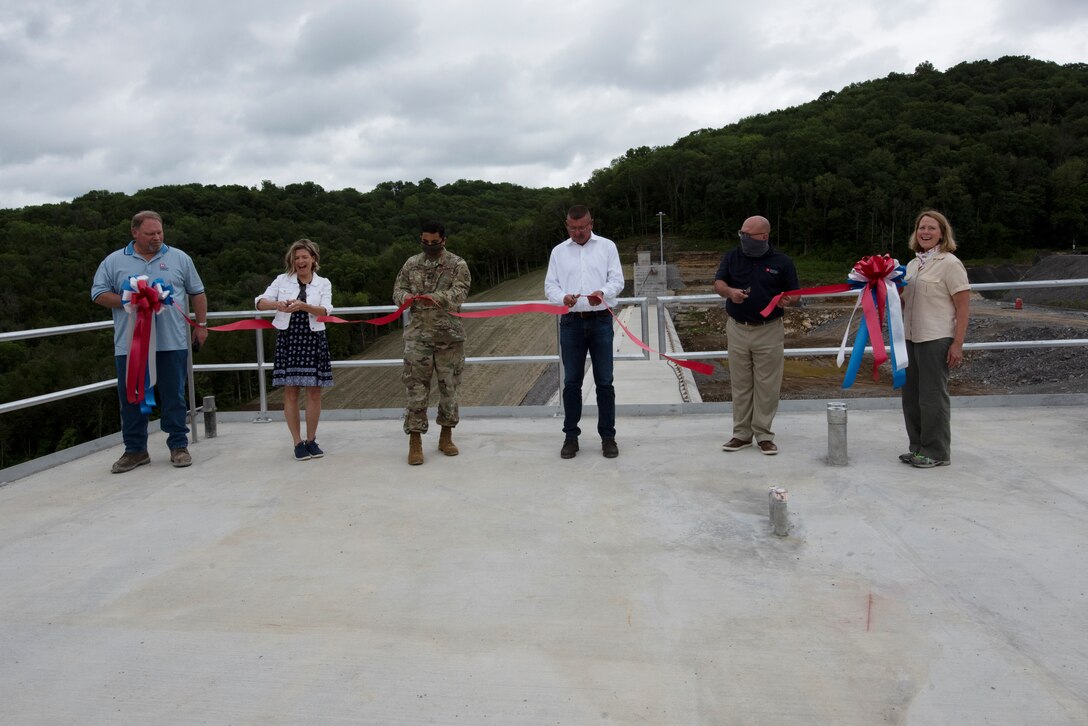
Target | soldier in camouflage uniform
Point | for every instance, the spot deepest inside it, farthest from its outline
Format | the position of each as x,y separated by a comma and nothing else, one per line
433,339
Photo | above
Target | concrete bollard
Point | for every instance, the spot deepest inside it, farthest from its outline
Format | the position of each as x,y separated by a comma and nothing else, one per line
836,433
780,516
209,417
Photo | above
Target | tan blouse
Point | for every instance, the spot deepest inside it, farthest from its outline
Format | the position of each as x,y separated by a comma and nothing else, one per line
928,310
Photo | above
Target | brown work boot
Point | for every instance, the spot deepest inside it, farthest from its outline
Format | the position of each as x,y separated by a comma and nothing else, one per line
130,461
445,442
180,457
415,449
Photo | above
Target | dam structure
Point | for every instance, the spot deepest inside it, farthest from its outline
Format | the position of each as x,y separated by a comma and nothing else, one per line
508,586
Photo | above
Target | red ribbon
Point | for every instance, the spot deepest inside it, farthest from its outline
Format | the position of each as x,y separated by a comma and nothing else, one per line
868,272
145,299
495,313
821,290
260,324
263,324
697,366
874,269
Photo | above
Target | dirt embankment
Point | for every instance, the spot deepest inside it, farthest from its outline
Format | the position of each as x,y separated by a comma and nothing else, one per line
482,385
820,323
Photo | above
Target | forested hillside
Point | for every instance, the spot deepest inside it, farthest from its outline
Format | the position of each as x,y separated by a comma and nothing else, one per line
237,236
1001,147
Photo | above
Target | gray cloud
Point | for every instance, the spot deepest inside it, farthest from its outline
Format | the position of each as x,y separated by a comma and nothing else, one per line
124,96
350,34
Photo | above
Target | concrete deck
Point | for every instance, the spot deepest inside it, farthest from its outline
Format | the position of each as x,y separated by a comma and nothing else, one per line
508,586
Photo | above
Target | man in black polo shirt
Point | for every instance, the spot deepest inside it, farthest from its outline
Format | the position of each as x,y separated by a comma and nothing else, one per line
748,277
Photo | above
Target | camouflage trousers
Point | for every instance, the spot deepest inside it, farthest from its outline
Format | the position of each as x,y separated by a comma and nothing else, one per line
422,361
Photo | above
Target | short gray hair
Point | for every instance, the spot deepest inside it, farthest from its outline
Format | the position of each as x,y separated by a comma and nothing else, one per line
140,217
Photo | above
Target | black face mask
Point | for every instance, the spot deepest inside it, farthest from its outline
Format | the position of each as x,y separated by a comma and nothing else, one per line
432,250
752,247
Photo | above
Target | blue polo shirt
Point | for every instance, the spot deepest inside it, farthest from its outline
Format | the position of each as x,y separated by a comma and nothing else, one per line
171,265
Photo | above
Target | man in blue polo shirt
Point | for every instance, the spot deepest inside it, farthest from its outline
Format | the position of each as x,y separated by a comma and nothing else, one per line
147,255
748,277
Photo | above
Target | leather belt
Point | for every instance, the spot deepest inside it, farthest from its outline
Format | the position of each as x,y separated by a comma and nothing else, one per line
591,314
755,324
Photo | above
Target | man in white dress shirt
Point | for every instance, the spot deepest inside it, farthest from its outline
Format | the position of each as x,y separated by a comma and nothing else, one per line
584,273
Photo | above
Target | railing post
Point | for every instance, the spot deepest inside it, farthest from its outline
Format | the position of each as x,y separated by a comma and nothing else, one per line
645,315
836,433
262,416
780,516
210,424
192,394
662,344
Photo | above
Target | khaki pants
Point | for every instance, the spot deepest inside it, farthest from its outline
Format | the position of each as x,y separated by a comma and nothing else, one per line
756,361
927,409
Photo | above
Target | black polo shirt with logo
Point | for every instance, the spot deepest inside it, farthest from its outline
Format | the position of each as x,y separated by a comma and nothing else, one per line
766,276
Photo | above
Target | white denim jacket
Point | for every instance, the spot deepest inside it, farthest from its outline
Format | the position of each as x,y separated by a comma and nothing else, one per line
285,287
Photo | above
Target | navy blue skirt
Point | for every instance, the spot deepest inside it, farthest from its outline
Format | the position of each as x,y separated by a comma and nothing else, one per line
302,355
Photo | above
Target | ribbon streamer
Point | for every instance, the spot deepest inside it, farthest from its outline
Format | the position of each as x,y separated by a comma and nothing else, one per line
495,313
698,366
143,301
261,324
877,278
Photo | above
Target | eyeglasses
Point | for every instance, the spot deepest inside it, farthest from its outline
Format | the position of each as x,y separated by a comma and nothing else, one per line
433,243
579,228
741,234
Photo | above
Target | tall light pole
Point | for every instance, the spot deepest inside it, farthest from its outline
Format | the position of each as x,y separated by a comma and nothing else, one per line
661,233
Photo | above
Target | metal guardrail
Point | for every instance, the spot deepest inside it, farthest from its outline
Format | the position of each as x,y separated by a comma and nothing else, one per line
644,304
667,300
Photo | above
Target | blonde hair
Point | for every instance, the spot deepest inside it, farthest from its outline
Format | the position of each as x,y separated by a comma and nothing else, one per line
302,244
948,240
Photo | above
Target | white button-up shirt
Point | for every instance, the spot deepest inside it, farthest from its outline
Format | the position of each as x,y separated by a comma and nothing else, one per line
575,269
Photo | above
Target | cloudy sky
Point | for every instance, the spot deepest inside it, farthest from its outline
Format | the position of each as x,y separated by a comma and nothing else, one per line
128,94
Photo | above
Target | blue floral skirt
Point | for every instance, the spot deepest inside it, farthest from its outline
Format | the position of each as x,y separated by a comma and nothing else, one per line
302,355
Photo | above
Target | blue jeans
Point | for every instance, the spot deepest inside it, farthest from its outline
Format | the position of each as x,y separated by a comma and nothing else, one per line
170,397
577,337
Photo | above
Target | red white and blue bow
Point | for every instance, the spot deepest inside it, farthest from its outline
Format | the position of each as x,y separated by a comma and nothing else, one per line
877,279
143,300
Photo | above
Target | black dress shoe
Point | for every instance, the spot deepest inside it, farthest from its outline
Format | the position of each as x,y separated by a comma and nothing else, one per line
570,449
609,448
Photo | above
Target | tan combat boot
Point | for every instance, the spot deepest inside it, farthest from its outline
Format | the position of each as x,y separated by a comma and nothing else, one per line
445,442
415,449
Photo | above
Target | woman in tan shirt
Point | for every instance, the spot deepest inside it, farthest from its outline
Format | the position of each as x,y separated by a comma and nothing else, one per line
935,312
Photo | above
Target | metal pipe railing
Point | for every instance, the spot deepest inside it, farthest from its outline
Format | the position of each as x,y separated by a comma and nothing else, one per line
261,365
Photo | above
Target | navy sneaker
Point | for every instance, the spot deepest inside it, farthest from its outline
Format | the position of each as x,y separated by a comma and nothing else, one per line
301,452
314,449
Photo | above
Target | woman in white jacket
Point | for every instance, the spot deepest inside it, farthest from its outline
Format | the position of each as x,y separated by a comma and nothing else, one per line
299,296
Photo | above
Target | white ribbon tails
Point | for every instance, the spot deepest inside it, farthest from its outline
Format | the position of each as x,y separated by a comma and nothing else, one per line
896,326
846,333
